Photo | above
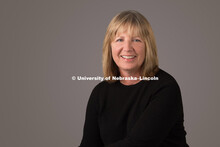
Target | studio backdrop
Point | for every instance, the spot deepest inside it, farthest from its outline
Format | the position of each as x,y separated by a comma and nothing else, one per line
45,43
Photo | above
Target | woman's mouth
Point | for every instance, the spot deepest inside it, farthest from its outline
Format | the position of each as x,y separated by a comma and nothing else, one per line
128,57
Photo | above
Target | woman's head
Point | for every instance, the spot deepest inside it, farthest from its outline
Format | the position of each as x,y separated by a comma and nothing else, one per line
129,44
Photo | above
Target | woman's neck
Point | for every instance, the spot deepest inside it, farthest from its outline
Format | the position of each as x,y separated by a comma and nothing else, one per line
130,74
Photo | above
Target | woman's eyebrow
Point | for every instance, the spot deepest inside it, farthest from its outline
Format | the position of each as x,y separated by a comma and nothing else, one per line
136,36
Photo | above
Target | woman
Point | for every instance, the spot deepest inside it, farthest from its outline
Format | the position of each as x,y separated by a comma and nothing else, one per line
131,112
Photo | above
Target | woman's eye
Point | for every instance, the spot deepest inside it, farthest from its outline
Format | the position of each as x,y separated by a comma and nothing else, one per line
137,40
119,40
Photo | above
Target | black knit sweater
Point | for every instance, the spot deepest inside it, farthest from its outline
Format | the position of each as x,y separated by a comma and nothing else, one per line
147,114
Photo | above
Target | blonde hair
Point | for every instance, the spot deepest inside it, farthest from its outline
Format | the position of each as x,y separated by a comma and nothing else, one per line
134,23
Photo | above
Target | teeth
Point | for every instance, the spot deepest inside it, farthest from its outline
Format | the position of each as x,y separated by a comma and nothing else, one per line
128,57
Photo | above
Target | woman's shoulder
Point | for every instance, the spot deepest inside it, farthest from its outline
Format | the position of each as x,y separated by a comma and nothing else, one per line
102,84
101,87
165,78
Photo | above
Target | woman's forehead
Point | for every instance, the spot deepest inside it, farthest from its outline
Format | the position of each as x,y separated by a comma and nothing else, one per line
130,30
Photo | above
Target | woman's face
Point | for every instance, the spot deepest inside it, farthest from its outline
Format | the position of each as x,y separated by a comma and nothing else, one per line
128,52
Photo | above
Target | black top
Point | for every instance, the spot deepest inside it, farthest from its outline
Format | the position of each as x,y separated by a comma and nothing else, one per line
147,114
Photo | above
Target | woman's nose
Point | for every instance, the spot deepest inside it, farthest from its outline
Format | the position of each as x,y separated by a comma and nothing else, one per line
128,45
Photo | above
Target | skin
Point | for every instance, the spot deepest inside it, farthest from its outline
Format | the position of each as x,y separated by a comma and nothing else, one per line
128,52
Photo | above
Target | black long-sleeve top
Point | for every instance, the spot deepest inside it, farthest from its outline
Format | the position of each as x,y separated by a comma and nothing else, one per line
147,114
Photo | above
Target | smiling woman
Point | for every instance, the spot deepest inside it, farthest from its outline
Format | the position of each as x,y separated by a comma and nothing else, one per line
130,42
133,113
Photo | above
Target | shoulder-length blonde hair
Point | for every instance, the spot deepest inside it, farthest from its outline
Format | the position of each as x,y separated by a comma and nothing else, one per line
135,23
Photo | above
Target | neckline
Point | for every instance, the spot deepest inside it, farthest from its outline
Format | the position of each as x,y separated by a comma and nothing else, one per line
133,85
139,83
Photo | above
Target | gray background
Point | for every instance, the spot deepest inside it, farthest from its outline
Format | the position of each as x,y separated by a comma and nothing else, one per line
44,43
